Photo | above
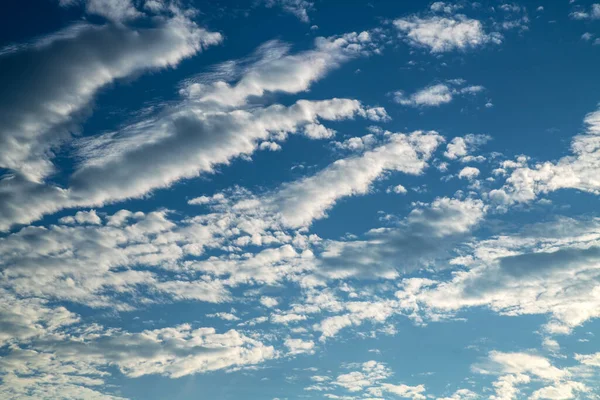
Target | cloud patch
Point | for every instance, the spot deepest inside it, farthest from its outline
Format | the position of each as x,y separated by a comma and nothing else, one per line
445,34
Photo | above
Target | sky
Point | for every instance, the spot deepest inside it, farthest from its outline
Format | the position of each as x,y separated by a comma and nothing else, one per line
299,199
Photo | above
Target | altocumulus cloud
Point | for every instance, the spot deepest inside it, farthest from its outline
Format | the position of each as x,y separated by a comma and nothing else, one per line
244,209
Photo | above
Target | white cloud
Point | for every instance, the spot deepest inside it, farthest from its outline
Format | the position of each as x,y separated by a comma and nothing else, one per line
398,189
224,316
114,10
444,34
215,199
447,216
199,290
551,345
286,319
283,72
23,319
298,8
72,366
369,380
592,13
269,302
130,239
299,346
561,391
357,313
81,263
42,105
469,173
521,363
386,254
423,236
460,147
269,266
403,391
506,386
197,153
245,247
576,171
203,130
308,199
173,352
32,374
358,144
528,273
589,359
318,131
430,96
370,374
448,8
376,114
461,394
519,368
437,94
82,217
271,146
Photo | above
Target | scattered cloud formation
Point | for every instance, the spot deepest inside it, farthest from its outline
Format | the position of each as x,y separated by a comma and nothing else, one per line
42,106
525,274
218,110
516,369
191,206
308,199
592,13
576,171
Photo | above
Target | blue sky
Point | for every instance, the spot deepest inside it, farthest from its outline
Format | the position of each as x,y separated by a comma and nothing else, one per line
299,199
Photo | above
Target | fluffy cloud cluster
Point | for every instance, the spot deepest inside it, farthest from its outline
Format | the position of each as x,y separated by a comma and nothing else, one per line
576,171
82,259
69,366
308,199
90,256
369,380
426,234
42,105
461,147
592,13
203,130
83,263
261,248
443,34
550,268
174,352
516,369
